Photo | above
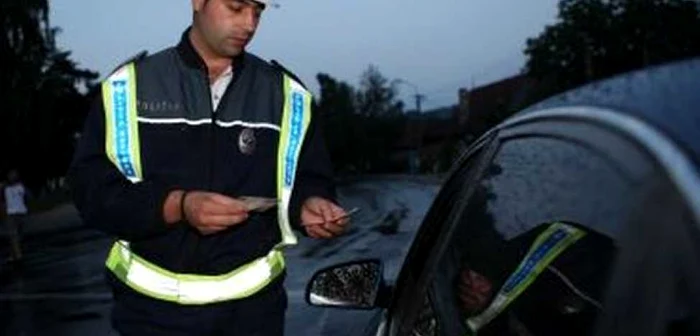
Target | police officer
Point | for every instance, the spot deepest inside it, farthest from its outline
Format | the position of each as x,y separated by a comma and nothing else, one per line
200,159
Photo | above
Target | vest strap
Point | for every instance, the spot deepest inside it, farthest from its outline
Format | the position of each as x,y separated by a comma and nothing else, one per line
546,248
121,122
295,122
189,289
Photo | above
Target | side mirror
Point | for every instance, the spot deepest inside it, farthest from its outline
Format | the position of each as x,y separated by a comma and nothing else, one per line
353,285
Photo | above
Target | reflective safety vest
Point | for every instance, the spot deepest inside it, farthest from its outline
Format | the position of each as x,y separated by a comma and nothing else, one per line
546,248
123,149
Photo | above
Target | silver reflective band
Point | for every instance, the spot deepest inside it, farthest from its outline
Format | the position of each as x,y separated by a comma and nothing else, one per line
151,280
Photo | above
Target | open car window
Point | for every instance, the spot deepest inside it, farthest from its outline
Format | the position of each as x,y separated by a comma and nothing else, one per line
405,309
533,189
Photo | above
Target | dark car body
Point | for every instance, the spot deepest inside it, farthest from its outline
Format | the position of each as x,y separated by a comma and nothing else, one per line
618,160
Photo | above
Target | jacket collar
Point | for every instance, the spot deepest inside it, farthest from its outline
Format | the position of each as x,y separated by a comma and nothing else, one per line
192,59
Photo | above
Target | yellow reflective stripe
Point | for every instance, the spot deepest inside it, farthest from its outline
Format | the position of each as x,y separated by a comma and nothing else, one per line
296,117
109,122
122,143
120,265
547,247
189,289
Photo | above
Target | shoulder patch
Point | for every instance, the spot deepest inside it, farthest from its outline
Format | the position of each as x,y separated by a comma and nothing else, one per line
286,71
133,59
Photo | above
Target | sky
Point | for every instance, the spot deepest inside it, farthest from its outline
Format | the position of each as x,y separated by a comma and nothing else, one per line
437,45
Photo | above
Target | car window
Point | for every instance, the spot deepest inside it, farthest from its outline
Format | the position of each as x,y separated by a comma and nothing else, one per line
540,180
412,316
535,191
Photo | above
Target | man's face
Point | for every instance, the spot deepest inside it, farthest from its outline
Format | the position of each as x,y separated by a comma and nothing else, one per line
475,291
227,26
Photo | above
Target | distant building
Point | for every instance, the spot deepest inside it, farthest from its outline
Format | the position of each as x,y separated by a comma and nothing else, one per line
432,139
424,138
483,107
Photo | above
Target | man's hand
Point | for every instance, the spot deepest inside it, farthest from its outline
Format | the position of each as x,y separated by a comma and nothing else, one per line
210,213
474,290
322,218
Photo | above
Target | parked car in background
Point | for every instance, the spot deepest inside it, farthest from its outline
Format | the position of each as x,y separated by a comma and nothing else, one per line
577,216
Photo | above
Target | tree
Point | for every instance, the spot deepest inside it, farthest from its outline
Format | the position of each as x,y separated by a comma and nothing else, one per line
361,125
595,39
382,119
42,105
336,107
377,97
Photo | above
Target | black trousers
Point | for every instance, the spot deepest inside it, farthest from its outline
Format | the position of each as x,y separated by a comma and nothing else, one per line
259,315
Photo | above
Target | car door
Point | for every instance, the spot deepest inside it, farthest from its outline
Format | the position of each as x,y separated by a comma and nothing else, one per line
552,171
448,204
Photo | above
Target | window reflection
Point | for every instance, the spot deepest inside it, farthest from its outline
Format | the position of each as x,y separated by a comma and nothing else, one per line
531,185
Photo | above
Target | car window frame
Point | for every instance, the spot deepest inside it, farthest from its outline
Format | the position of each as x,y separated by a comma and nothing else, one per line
461,174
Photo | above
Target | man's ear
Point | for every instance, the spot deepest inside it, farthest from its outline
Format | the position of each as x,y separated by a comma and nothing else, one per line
197,5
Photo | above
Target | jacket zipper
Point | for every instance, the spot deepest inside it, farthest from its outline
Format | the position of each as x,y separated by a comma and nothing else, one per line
212,145
212,135
212,150
191,249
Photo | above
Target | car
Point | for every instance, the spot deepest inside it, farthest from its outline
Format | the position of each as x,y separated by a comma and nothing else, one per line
578,216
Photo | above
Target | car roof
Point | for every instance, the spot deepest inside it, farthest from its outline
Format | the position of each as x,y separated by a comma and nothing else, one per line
667,97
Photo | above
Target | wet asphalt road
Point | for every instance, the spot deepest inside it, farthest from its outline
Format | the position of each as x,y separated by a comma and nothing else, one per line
59,288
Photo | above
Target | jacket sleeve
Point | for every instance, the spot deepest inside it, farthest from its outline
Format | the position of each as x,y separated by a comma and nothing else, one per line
315,173
106,199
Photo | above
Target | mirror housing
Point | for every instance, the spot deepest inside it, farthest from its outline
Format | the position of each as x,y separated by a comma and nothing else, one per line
352,285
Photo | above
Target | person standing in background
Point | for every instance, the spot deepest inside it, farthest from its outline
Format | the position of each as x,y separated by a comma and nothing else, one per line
16,210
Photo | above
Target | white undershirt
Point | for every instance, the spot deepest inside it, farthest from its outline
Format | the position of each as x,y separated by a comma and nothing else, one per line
219,86
14,199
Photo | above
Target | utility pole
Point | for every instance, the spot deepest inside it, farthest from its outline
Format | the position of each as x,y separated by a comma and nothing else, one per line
419,97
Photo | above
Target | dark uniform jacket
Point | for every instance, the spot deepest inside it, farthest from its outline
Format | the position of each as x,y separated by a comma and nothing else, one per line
185,144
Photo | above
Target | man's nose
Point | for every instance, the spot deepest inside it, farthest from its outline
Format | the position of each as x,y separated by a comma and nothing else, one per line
250,21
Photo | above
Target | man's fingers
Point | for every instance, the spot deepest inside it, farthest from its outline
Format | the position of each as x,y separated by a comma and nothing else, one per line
332,214
341,222
210,213
325,210
211,229
224,220
313,234
317,231
336,211
334,228
323,218
217,208
222,199
328,230
227,204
